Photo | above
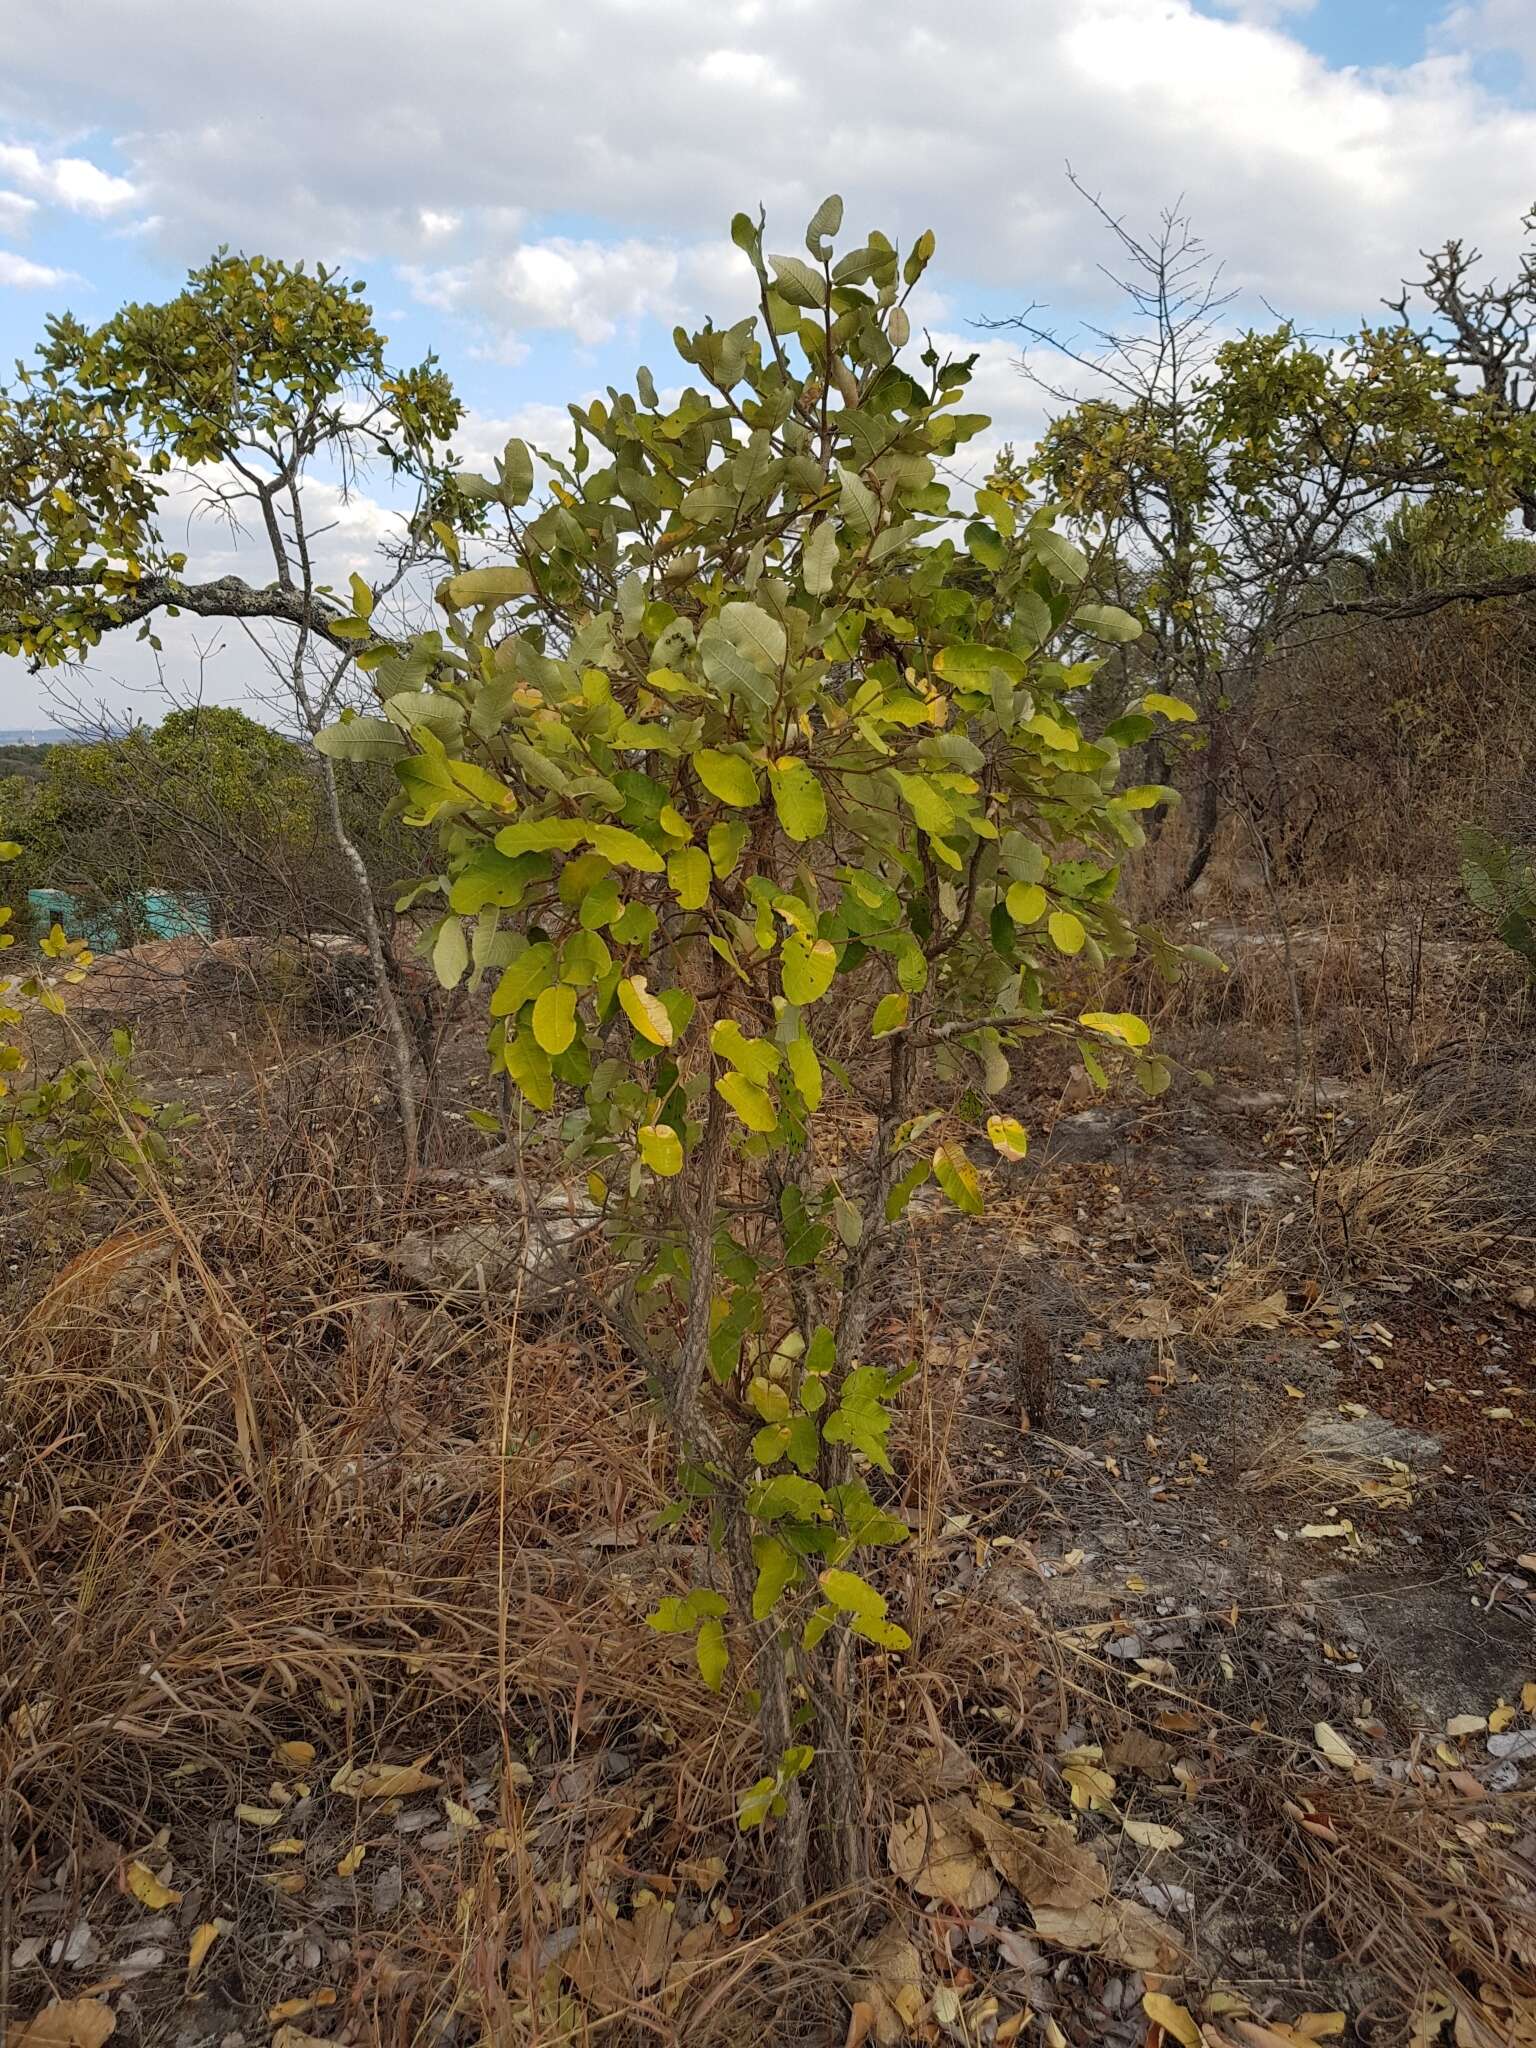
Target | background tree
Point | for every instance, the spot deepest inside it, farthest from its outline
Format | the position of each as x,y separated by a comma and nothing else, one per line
1235,485
256,381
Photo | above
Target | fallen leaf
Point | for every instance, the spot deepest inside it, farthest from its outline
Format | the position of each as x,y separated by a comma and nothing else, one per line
1319,2026
1466,1724
289,1881
296,1752
891,1983
295,2037
259,1816
1174,2019
861,2024
1149,1320
148,1889
932,1849
1528,1698
1334,1747
1267,1314
203,1939
1151,1835
1501,1718
1091,1787
703,1872
1117,1929
460,1815
351,1863
69,2023
385,1781
1045,1867
1318,1531
290,1845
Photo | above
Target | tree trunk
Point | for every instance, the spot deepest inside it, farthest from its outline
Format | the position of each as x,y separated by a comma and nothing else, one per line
1208,808
383,986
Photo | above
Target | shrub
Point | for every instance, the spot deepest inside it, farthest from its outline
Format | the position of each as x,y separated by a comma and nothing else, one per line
735,719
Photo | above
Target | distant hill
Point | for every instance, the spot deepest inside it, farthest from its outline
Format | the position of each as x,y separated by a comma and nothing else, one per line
34,736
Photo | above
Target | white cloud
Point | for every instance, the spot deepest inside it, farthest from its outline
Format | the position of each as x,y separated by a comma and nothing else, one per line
591,289
16,211
23,276
69,181
1319,183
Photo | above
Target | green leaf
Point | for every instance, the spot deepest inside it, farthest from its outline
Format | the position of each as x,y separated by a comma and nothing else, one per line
797,282
807,968
957,1177
727,776
752,1104
930,807
777,1567
787,1497
725,841
531,971
1068,932
1107,622
713,1656
890,1015
541,835
757,1058
690,874
825,222
645,1011
818,558
361,739
450,953
661,1149
850,1594
972,666
902,1193
1065,560
516,474
1121,1024
528,1064
624,849
584,959
806,1070
485,586
554,1018
799,800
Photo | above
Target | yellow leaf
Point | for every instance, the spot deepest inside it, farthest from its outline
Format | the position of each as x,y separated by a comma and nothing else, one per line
1152,1835
1319,2026
290,1881
296,1752
259,1816
1121,1024
385,1781
1466,1724
932,1849
290,1845
460,1815
1174,2019
1500,1718
1528,1698
1334,1747
1008,1136
1068,933
646,1012
352,1861
203,1939
148,1889
69,2023
1091,1787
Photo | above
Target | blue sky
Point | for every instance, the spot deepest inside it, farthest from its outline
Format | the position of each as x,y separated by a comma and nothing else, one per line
538,191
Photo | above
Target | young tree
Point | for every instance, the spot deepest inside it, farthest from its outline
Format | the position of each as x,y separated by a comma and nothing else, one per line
256,380
738,734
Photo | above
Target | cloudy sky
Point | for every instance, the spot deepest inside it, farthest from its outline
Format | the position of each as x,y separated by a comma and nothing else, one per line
538,191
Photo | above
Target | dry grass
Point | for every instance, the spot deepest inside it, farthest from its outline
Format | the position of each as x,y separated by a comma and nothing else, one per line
1411,1198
